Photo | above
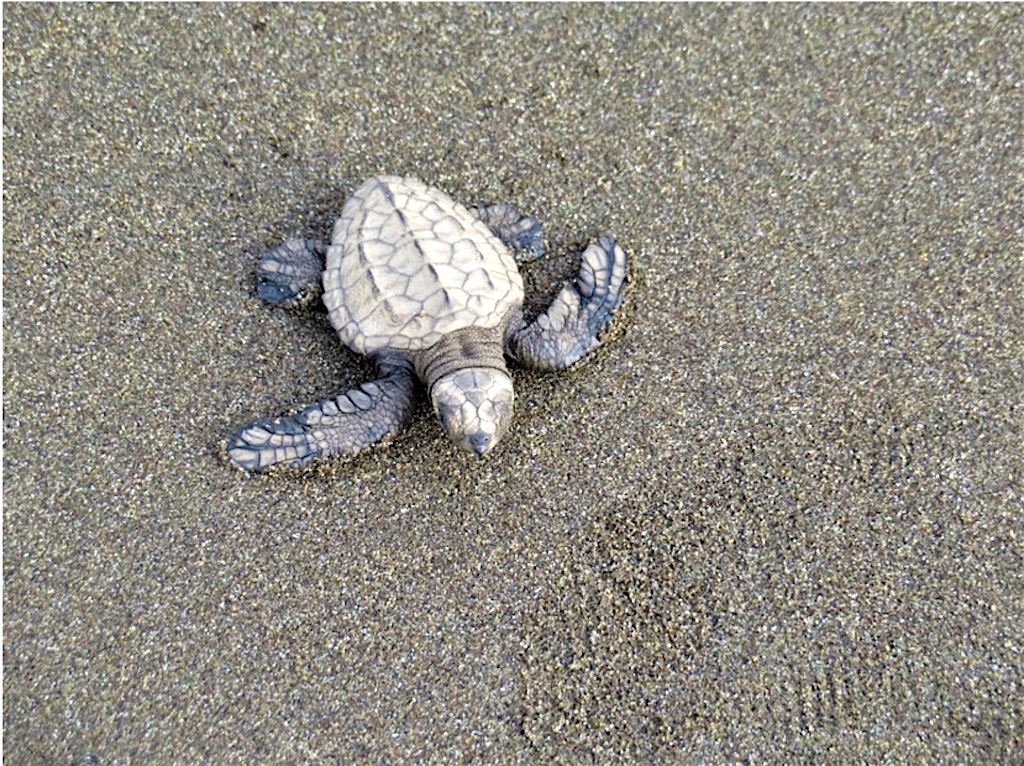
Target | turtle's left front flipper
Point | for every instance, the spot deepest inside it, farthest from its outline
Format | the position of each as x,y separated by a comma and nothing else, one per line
345,424
571,327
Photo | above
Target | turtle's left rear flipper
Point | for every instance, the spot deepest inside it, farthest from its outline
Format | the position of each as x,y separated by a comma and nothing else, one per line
521,233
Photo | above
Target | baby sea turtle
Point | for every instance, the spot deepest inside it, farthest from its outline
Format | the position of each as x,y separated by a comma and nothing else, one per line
428,289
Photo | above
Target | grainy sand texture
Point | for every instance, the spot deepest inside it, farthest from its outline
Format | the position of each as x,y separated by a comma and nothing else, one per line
779,520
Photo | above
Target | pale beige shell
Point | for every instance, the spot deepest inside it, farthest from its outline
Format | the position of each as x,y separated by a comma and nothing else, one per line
408,264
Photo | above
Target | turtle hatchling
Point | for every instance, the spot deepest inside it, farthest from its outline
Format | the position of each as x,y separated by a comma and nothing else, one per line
430,291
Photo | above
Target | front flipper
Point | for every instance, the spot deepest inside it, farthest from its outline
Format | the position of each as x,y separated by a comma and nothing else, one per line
346,424
520,233
571,326
291,273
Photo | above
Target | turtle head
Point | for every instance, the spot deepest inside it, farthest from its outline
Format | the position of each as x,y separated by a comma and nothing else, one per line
475,406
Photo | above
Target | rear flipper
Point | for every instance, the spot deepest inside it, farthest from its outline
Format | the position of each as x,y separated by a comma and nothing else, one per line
520,233
572,324
346,424
291,273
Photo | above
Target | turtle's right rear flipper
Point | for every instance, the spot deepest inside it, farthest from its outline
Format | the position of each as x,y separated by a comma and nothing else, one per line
291,273
345,424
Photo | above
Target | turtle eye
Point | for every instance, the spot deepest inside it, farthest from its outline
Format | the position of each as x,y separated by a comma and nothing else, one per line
446,413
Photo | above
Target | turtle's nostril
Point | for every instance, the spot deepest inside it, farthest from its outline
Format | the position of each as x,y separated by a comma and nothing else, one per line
480,442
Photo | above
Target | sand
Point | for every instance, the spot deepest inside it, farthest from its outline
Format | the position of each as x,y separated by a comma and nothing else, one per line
779,520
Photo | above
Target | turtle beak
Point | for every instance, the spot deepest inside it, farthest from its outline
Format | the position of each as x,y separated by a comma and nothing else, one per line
475,407
480,443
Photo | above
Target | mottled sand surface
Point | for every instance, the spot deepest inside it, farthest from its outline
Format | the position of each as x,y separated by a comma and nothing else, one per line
778,521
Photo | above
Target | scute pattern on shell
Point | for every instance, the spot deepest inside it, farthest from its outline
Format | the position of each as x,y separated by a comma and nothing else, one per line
408,265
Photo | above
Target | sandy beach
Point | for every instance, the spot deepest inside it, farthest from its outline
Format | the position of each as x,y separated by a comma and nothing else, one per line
778,520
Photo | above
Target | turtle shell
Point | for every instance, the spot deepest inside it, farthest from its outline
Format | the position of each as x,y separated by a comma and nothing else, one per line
408,264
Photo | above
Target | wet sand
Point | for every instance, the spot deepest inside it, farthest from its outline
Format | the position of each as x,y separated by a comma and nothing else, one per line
778,520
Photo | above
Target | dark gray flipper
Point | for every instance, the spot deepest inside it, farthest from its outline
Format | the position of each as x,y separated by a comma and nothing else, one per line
570,327
291,274
520,233
346,424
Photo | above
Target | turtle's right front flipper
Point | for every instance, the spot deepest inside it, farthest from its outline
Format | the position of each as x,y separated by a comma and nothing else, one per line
290,274
345,424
